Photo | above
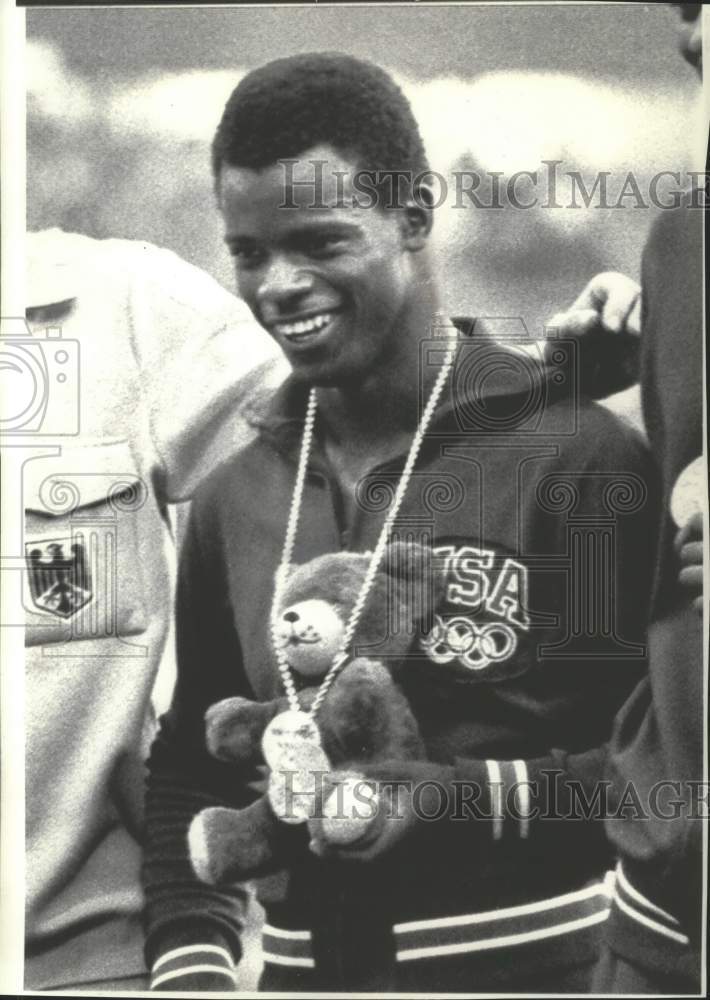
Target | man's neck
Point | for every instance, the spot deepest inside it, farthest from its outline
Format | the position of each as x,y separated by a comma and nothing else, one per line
358,417
374,422
386,405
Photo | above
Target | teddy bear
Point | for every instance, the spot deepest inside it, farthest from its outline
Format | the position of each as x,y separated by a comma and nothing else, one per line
364,718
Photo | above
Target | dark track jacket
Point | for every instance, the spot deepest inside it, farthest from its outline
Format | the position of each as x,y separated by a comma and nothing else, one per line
541,505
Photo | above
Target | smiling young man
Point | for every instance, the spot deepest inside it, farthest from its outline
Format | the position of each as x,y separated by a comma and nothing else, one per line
350,294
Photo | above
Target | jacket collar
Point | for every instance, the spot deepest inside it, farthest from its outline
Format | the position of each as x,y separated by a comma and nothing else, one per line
489,375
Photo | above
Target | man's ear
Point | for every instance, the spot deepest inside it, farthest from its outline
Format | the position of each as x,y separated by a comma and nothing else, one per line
417,219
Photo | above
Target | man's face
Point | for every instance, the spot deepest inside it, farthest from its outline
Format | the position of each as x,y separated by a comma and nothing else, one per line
329,284
691,32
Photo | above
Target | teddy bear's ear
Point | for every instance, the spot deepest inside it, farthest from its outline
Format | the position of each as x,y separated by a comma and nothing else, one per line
414,566
407,559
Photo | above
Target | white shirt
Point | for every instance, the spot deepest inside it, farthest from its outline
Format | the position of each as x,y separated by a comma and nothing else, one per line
157,360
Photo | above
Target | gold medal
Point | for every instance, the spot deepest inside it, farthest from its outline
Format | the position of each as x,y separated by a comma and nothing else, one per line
286,734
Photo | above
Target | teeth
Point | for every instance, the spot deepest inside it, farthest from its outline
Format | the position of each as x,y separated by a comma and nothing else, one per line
303,326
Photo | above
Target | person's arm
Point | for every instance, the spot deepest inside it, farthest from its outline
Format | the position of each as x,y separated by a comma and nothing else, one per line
193,930
525,805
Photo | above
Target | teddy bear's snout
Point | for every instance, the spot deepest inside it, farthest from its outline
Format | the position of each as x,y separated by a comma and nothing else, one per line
294,629
309,632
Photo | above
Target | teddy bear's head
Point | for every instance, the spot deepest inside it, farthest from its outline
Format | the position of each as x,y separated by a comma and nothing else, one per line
320,595
366,715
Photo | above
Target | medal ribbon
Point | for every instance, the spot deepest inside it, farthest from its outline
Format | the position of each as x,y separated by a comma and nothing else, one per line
342,656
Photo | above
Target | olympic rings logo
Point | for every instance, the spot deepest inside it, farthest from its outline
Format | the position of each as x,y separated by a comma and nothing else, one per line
474,646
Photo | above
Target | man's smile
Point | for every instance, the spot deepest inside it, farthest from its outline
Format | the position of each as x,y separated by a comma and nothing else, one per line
304,330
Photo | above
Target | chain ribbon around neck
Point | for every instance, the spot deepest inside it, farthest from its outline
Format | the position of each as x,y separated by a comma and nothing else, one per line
342,656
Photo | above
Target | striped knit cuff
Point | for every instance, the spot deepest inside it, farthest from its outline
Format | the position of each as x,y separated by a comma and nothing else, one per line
502,793
511,795
646,913
509,791
194,967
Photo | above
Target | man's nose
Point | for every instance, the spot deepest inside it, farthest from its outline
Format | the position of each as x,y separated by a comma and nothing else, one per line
283,283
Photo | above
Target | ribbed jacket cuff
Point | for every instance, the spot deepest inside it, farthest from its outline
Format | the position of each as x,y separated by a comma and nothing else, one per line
194,958
498,792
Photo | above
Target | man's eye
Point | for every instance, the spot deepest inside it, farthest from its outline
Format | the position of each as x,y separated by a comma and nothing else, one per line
246,256
323,246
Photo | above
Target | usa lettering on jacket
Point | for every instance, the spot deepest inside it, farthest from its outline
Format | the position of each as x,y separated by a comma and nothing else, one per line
483,638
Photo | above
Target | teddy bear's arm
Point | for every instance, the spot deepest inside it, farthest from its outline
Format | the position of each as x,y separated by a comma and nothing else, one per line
233,845
234,727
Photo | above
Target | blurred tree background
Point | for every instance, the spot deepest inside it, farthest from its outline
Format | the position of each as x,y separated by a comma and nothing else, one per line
123,103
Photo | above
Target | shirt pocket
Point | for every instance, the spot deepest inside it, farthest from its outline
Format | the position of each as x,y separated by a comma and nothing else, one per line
83,578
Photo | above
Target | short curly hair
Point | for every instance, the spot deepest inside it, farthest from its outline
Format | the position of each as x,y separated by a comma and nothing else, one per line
290,105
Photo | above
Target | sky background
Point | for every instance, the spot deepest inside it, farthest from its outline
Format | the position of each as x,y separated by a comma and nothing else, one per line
632,43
